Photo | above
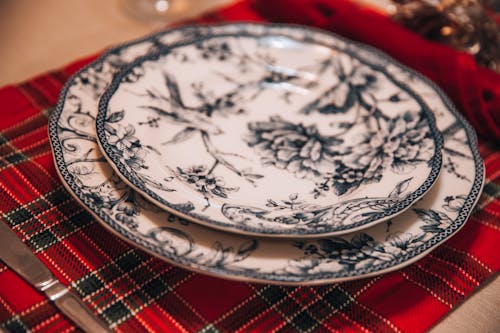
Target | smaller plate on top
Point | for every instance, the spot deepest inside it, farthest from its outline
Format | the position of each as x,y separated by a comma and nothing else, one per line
273,131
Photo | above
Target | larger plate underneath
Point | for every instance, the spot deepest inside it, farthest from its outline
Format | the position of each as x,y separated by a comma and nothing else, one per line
383,248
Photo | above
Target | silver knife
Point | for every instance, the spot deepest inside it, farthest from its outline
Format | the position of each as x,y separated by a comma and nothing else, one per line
15,254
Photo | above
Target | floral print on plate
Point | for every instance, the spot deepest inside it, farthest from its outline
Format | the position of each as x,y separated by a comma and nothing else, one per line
378,249
272,135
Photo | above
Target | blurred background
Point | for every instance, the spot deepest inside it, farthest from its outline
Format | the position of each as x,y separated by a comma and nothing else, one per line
36,36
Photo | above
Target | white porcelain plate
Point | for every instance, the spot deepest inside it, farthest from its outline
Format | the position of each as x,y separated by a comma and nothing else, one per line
379,249
276,131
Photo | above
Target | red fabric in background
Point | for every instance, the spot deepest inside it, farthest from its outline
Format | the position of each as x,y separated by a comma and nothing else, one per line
475,90
135,292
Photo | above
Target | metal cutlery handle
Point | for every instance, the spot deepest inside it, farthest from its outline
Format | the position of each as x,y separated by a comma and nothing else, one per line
15,254
74,308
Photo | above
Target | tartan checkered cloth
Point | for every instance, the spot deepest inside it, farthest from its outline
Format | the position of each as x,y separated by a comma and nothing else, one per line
133,291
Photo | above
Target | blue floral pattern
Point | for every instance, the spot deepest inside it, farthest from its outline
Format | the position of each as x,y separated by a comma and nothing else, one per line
300,149
399,143
304,215
204,181
382,132
356,85
375,250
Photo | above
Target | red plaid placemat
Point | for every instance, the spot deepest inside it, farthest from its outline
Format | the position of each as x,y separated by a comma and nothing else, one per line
133,291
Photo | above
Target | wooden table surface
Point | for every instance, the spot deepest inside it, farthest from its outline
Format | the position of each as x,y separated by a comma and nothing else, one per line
36,36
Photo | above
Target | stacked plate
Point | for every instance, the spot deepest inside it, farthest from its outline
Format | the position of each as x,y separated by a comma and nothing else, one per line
269,153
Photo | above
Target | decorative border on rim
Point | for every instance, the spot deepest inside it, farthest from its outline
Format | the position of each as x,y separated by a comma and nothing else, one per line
129,237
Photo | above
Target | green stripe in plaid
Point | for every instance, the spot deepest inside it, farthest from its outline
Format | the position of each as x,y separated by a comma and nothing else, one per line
42,91
33,123
42,317
492,190
15,325
155,286
12,159
462,262
41,205
41,219
3,140
126,285
17,156
299,309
